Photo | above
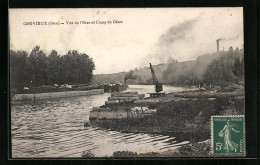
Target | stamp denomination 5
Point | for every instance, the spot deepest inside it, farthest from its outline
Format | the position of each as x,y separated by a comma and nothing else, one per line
228,135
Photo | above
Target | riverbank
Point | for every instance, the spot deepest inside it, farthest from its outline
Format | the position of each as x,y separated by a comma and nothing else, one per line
54,95
198,149
186,117
189,118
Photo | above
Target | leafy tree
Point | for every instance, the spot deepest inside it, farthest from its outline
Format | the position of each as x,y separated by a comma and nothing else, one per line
237,67
38,69
220,71
53,67
18,69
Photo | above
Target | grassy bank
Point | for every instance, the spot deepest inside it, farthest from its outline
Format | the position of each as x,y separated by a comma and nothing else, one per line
186,119
189,119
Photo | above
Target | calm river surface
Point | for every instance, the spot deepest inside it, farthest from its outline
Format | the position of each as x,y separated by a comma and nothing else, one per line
55,128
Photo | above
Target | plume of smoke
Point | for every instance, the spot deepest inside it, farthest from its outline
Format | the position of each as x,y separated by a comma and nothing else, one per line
220,39
232,38
168,42
129,75
175,33
187,40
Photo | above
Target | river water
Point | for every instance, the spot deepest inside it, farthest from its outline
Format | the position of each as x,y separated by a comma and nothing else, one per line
55,128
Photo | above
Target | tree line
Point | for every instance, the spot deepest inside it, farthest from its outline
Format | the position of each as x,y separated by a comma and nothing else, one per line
228,68
38,68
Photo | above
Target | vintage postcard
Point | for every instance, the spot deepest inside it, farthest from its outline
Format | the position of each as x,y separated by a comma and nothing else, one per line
127,82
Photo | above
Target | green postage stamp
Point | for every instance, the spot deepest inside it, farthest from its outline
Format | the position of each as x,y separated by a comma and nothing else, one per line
228,135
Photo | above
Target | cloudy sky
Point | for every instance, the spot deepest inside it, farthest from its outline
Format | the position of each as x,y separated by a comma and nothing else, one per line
146,34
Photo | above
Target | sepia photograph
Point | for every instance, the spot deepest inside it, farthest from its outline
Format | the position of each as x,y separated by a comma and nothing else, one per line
127,82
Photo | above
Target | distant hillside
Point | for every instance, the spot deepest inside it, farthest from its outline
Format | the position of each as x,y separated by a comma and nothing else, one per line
109,78
193,72
188,72
142,76
175,73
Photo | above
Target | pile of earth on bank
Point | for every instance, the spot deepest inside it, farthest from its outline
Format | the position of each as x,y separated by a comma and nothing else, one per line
187,119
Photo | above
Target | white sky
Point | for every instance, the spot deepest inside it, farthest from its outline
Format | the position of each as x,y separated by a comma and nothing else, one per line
134,43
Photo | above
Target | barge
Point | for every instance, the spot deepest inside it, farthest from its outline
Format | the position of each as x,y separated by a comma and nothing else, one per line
66,90
54,95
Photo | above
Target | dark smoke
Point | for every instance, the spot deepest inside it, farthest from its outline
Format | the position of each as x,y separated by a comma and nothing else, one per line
167,44
229,38
175,33
220,39
129,75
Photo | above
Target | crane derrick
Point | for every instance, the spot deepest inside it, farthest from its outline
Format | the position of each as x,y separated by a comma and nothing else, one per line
158,86
154,78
